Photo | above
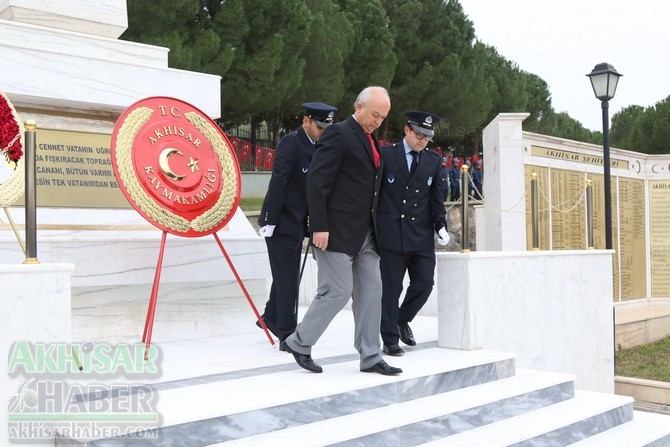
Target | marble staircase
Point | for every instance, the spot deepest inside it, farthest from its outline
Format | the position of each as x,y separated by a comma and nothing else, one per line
242,391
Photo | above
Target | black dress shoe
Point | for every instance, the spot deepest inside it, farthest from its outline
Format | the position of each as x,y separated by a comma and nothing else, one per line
383,368
304,360
406,334
268,325
393,350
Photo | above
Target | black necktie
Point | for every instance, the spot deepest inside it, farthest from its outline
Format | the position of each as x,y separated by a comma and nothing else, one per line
415,161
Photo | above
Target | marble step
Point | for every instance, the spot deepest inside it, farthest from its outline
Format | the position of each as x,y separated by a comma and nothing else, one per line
419,420
259,403
237,388
645,430
561,424
246,403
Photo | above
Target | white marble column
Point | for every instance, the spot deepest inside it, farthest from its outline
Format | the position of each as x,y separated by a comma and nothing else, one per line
504,190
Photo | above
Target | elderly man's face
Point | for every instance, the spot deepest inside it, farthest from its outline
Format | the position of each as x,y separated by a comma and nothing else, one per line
372,114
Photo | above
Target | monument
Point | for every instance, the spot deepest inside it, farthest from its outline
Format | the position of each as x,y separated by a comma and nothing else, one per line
74,77
66,69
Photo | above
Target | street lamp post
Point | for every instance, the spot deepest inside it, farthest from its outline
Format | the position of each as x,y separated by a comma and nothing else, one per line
604,79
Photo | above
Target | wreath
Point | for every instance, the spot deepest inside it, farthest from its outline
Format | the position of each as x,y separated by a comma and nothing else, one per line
11,150
10,131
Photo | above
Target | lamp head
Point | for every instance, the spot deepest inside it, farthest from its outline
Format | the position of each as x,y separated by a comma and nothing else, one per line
604,79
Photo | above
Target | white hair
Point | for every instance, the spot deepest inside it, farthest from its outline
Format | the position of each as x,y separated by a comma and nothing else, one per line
367,92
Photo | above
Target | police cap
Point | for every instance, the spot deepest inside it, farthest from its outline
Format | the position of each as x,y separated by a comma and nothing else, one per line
323,114
422,122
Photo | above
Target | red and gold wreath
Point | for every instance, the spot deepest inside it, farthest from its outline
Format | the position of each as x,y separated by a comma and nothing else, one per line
10,131
12,140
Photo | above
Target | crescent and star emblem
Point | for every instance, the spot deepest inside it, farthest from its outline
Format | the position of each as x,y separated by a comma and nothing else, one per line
163,162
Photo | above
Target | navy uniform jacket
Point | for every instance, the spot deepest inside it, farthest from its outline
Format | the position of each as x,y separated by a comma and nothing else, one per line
285,203
455,178
411,209
478,180
342,186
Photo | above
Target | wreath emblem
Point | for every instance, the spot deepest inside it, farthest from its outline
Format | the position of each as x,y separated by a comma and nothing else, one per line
175,166
12,174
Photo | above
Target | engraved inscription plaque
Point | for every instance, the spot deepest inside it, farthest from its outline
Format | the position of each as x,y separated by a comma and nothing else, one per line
659,216
543,207
632,253
74,169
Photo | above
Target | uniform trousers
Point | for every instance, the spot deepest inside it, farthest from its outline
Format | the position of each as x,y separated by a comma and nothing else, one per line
421,268
284,255
340,277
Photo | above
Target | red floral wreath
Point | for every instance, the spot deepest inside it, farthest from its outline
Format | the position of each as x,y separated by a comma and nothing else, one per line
10,132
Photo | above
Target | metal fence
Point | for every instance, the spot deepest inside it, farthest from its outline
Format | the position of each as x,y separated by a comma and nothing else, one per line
257,152
254,152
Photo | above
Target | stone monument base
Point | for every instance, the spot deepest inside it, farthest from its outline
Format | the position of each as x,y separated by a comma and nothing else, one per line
35,308
552,308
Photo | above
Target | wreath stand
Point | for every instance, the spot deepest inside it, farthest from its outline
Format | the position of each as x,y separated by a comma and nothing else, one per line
147,134
151,310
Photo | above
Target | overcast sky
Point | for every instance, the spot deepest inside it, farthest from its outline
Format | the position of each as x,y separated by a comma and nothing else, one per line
561,41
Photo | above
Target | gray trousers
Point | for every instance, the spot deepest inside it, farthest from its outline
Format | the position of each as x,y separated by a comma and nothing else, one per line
340,277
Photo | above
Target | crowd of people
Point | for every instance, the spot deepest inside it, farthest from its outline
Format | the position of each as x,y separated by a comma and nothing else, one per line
453,179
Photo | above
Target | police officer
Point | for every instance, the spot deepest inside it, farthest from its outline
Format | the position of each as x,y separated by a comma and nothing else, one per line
283,217
471,186
478,180
455,180
409,214
444,173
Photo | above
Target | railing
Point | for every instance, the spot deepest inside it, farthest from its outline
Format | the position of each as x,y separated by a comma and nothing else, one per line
254,153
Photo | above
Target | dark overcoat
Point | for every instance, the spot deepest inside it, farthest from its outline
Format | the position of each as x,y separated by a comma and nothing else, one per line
342,186
285,203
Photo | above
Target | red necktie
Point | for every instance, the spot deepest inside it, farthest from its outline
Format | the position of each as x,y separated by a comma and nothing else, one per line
375,154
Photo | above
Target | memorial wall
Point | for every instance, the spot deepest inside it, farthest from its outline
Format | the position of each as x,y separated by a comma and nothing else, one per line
640,212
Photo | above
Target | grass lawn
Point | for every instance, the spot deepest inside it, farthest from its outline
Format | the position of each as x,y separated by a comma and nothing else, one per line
251,204
651,361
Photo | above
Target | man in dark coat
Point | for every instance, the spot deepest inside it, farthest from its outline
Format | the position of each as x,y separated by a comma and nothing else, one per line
283,217
478,180
455,181
444,173
410,214
342,188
